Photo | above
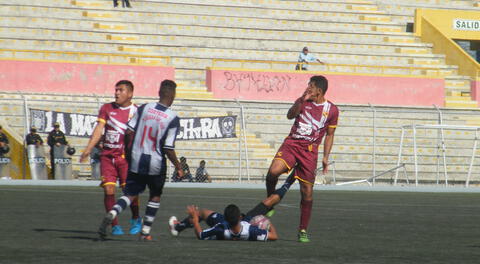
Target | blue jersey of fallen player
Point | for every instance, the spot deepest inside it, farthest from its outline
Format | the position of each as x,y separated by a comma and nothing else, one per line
221,231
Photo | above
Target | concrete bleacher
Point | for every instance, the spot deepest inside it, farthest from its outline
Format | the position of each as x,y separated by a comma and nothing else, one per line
267,126
195,33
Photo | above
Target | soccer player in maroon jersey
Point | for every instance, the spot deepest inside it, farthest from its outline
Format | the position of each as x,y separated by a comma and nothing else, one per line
314,117
112,119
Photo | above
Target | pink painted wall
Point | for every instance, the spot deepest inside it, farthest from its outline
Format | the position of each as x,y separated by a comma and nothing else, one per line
37,76
475,91
354,89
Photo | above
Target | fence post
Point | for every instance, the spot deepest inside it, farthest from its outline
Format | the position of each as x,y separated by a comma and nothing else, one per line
439,135
244,132
374,153
26,125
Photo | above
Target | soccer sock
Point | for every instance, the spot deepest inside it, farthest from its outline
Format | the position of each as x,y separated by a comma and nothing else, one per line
150,212
283,190
109,201
121,204
183,225
306,211
270,184
134,208
260,209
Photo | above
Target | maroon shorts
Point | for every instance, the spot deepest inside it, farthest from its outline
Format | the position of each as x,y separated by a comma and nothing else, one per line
301,156
113,169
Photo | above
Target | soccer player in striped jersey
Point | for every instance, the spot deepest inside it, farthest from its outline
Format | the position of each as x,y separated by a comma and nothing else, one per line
111,125
150,138
314,117
229,226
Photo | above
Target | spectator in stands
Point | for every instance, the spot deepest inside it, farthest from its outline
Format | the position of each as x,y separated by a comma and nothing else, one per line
186,172
201,175
33,138
3,142
125,3
55,138
304,58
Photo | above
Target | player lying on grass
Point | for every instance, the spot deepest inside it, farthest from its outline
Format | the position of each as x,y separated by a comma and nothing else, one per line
229,226
219,223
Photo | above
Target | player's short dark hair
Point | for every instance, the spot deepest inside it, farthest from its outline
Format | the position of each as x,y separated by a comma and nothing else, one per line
320,82
167,88
127,83
232,214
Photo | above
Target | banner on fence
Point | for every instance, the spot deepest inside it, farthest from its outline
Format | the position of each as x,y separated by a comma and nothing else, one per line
82,125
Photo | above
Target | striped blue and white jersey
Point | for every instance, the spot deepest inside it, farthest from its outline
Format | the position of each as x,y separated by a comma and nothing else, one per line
155,126
221,231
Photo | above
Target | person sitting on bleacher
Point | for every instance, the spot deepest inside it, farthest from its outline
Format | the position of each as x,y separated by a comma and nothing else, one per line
186,172
304,58
125,3
201,175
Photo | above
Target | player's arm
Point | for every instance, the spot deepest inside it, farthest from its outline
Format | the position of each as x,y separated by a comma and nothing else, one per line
169,146
296,108
327,147
294,111
272,233
172,156
94,139
192,211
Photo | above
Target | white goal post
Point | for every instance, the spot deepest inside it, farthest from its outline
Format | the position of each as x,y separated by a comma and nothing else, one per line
440,128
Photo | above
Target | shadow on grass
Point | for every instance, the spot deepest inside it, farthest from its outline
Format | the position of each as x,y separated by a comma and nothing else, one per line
94,238
64,231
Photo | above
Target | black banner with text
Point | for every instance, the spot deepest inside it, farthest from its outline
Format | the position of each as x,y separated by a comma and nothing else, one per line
82,125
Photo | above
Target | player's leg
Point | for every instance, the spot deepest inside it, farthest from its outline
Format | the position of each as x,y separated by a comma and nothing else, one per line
155,184
283,162
135,185
305,173
178,226
109,182
135,221
306,189
268,203
277,168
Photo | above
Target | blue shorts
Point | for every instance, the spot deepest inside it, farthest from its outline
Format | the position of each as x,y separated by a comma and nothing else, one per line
136,184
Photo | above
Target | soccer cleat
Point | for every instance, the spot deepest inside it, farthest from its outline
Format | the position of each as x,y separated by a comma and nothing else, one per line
171,223
117,230
270,213
145,238
102,230
303,236
135,226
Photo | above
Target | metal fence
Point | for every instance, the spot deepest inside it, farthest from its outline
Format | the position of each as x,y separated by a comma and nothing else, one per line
367,140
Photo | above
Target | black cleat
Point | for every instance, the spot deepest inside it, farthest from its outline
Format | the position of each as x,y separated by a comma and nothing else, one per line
102,230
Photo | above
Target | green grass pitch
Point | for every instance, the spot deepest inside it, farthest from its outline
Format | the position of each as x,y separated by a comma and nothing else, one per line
58,225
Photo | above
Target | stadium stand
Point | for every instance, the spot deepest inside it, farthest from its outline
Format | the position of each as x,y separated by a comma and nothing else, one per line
361,37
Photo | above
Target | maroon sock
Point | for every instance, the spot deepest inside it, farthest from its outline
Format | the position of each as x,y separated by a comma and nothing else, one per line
306,211
109,201
134,208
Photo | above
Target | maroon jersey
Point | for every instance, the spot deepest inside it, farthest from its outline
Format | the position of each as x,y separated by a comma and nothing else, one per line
311,124
115,119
